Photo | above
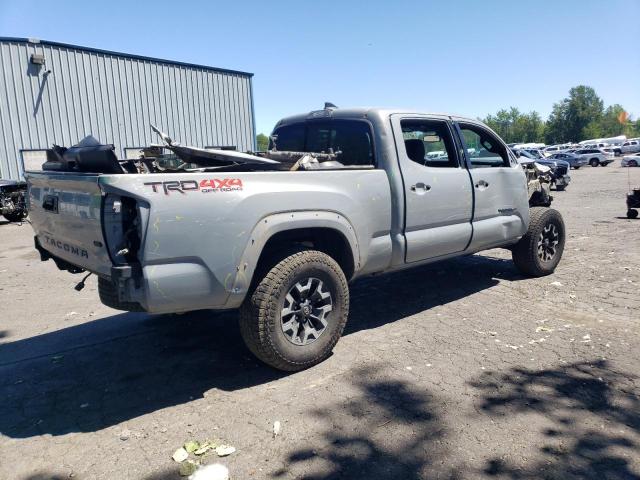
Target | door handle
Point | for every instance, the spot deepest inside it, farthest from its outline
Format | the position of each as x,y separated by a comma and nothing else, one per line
420,188
482,184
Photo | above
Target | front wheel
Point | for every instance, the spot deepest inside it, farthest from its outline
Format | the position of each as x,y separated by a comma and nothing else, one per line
539,251
576,168
632,213
297,312
560,188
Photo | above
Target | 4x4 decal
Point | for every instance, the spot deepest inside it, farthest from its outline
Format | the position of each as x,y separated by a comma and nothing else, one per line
205,186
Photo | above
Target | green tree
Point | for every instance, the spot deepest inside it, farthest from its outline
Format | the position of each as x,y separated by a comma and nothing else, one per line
613,121
516,127
555,128
577,117
263,142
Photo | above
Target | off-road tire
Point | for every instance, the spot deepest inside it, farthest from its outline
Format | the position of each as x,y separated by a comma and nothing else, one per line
109,297
632,213
16,217
260,314
525,252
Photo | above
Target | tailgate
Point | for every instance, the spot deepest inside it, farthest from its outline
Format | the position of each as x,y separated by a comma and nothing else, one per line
65,211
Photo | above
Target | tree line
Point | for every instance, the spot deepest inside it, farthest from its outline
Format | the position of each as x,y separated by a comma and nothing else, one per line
579,116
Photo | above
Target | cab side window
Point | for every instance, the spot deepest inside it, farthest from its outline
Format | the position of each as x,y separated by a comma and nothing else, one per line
484,150
429,143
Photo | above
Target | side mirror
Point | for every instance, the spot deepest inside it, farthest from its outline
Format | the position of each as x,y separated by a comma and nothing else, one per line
517,153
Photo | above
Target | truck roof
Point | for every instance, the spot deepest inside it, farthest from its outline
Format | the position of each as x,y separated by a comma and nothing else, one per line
352,113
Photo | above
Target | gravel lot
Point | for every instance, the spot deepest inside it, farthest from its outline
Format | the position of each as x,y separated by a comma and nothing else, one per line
462,369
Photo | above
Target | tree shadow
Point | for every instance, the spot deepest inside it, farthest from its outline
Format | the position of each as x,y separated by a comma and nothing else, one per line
100,373
389,429
580,398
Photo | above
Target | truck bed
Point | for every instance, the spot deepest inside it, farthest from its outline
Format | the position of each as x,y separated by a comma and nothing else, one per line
200,234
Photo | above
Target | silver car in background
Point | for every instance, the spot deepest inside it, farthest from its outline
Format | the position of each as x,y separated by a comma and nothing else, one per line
630,161
573,160
594,156
630,146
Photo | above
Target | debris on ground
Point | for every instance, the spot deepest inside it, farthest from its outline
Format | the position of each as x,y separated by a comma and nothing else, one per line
276,428
125,434
204,448
556,284
544,329
191,446
187,468
225,450
211,472
180,455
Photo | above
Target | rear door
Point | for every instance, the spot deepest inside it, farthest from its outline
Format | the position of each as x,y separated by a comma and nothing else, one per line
501,200
65,212
437,187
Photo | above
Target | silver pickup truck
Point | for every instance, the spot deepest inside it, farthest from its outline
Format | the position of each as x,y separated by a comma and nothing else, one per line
400,189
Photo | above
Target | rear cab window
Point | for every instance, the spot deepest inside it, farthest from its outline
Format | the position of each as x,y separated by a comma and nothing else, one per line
353,138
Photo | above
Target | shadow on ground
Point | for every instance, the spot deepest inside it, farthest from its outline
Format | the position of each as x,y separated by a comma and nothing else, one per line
596,411
387,429
103,372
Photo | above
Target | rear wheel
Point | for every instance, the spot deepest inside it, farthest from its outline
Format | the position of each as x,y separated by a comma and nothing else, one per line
632,163
539,251
594,162
632,213
560,188
297,312
576,168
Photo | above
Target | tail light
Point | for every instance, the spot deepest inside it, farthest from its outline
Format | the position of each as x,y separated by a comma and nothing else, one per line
122,225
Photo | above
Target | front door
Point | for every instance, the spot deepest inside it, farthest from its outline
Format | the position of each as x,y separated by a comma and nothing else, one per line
437,188
501,200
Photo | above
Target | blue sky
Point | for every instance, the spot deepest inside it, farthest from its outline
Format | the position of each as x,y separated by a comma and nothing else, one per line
465,57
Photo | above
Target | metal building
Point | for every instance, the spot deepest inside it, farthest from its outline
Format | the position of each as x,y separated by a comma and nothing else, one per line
56,93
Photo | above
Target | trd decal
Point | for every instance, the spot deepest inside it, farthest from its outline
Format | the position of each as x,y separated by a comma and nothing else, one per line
205,186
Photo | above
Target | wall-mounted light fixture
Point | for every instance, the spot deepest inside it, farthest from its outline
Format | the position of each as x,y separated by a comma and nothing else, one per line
37,59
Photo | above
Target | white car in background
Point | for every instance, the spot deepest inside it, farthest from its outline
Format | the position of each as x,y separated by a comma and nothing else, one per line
630,161
630,146
594,156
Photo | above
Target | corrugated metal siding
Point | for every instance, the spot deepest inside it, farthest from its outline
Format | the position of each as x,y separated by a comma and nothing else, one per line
115,99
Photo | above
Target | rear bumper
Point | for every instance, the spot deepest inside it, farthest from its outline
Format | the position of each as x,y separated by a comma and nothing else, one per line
162,288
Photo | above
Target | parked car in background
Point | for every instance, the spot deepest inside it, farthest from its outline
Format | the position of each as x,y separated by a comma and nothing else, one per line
630,161
559,168
630,146
12,200
594,156
572,159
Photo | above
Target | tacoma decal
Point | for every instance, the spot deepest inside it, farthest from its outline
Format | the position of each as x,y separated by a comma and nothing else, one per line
81,252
